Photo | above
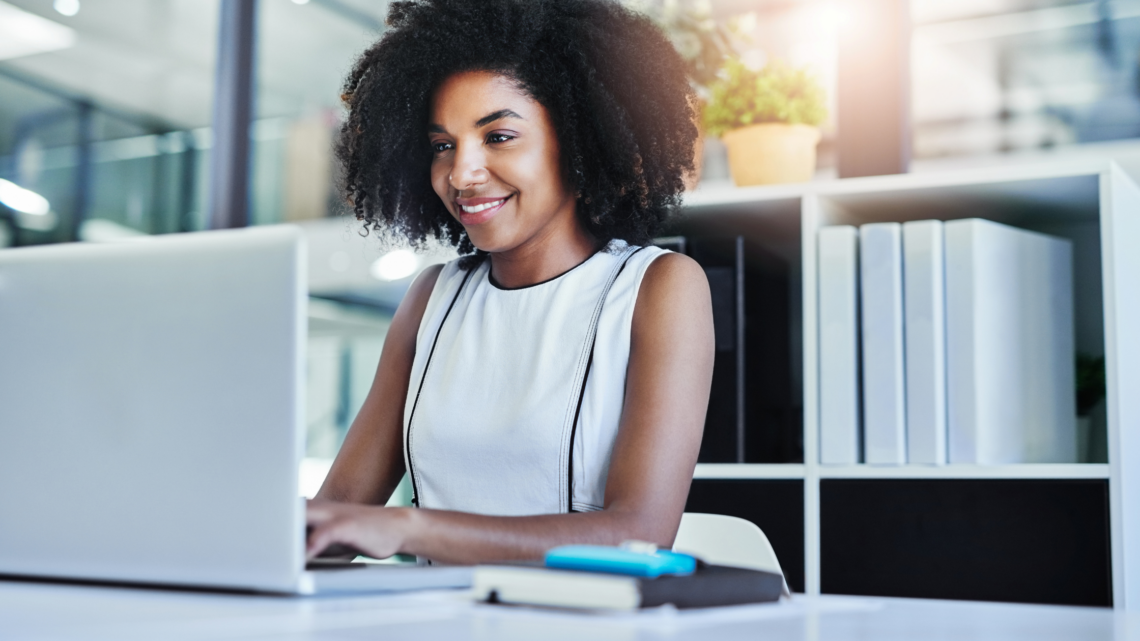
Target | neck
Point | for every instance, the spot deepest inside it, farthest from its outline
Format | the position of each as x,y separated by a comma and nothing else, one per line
549,254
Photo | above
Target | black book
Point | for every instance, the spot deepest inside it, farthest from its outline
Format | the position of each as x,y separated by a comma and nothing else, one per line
710,585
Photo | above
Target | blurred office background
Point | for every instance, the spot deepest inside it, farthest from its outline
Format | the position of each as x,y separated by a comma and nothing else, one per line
108,111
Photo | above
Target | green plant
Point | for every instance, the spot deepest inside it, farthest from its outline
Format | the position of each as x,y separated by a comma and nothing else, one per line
776,93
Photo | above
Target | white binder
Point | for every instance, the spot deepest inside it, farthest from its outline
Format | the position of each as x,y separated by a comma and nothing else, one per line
884,382
839,345
1010,352
924,302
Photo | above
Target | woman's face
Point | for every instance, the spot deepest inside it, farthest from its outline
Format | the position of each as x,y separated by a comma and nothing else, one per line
496,163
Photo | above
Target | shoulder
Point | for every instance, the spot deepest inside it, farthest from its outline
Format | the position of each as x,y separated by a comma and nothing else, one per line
434,282
672,274
420,291
674,290
406,322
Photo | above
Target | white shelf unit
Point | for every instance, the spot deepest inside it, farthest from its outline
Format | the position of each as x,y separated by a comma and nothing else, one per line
1095,204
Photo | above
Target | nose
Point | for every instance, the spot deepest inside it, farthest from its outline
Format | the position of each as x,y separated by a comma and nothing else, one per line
469,168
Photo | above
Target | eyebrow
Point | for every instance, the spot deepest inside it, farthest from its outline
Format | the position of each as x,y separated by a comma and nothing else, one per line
492,117
485,120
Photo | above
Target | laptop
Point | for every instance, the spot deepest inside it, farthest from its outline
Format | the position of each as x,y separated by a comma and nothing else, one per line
152,416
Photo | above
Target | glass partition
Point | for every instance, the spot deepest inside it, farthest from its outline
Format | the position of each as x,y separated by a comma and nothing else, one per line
305,50
1007,76
103,110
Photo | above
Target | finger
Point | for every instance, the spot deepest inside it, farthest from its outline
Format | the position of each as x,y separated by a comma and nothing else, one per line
316,543
325,535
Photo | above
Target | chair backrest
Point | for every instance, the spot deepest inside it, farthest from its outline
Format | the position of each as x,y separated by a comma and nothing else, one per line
726,540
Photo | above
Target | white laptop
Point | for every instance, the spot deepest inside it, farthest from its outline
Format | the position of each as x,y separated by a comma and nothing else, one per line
151,416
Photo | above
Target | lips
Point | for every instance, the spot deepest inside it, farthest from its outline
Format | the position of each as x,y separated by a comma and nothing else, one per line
473,211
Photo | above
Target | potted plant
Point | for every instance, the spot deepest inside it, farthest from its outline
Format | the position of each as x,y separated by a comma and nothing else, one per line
769,121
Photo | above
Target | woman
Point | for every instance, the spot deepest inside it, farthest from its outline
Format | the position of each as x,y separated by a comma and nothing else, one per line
550,387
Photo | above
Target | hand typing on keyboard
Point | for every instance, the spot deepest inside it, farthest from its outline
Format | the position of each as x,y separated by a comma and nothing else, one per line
343,529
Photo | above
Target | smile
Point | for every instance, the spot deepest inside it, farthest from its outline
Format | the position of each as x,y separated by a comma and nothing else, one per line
474,209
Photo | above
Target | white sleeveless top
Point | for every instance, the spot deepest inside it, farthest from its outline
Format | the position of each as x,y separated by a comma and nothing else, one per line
515,395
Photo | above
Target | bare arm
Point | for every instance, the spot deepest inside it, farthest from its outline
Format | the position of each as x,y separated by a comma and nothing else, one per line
370,464
667,391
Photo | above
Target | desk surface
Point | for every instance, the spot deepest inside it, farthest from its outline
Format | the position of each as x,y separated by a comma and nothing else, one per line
52,611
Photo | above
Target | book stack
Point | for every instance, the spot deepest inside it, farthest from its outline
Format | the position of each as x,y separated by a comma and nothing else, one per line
945,343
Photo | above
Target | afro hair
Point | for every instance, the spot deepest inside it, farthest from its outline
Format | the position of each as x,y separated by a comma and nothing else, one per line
612,83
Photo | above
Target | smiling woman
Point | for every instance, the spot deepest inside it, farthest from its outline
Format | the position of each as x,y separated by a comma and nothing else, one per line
500,173
612,85
550,386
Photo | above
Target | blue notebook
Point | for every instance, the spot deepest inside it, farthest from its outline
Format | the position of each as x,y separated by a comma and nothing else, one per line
620,560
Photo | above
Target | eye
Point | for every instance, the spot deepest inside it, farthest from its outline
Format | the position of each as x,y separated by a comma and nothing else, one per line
498,137
440,146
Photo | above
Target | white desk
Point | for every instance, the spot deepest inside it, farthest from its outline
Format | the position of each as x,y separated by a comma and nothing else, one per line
53,611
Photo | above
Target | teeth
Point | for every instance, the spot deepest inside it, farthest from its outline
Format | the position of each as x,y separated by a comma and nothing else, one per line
478,208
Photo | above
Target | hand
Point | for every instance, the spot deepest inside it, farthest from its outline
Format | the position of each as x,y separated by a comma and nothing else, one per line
375,531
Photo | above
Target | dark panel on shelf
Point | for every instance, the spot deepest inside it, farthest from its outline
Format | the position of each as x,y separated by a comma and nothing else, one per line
776,506
772,418
1030,541
723,262
753,369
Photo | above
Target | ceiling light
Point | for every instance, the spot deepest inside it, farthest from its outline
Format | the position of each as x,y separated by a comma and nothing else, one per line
395,265
37,222
300,1
23,200
66,7
23,33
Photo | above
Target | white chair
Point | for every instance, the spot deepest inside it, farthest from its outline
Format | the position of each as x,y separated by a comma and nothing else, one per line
726,540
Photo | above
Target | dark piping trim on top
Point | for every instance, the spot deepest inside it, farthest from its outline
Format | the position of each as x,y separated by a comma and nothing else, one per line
582,391
423,377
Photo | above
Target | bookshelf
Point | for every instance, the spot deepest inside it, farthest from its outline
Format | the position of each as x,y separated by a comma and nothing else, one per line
1095,205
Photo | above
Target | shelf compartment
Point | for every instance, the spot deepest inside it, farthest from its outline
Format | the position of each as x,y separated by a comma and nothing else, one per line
771,302
1020,540
1064,202
775,505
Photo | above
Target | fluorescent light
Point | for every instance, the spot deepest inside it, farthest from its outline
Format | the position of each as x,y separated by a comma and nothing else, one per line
23,33
23,200
66,7
395,265
300,1
33,211
98,230
37,222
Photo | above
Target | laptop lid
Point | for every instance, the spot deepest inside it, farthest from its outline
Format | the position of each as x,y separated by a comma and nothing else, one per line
151,409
